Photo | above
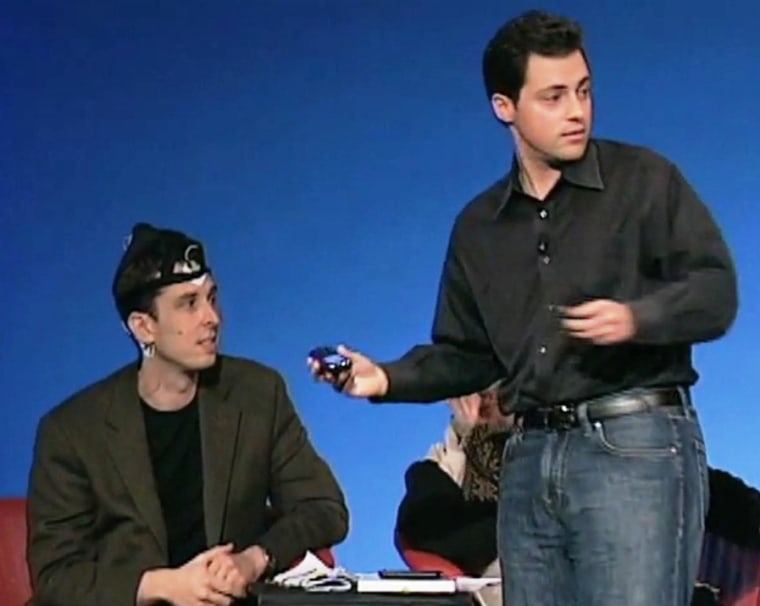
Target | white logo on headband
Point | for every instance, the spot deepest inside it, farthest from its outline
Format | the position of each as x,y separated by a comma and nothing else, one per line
190,264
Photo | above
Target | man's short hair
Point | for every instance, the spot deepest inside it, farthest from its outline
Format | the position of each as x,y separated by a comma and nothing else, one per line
505,59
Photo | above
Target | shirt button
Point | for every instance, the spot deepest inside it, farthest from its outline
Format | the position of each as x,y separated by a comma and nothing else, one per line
543,213
545,259
542,349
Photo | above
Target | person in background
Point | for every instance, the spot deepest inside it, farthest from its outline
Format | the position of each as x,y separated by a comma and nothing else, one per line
451,499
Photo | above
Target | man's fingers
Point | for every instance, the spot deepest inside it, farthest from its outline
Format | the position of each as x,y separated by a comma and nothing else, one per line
342,383
585,325
230,585
352,355
238,585
357,387
584,310
602,322
221,566
602,335
206,556
216,598
207,593
318,373
604,318
605,340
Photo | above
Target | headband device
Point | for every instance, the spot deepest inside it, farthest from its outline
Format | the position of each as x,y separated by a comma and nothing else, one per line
182,260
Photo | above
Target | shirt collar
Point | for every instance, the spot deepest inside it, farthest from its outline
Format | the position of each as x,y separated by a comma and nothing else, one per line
585,172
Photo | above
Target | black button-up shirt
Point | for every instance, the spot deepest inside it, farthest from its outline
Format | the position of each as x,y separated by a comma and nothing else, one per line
622,223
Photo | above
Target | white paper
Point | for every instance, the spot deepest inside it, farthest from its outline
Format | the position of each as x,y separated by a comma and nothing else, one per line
372,583
473,584
310,566
312,574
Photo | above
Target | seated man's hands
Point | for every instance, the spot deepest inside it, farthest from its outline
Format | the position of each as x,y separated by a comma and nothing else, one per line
238,571
192,584
365,379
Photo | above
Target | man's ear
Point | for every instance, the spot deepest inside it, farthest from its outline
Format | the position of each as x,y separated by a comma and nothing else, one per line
503,108
143,327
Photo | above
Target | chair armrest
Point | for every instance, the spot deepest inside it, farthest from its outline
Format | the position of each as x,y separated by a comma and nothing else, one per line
424,561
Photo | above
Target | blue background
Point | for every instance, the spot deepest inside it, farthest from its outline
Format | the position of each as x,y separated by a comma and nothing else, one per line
321,149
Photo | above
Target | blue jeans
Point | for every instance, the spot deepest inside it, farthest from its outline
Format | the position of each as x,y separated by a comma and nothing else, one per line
610,513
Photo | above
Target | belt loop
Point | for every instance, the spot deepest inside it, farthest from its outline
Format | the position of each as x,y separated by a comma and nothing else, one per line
581,413
685,397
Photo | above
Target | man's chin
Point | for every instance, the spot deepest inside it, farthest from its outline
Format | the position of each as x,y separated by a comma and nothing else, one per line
572,151
202,362
210,360
565,155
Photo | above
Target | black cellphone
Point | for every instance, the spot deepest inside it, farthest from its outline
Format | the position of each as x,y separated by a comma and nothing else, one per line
330,360
410,574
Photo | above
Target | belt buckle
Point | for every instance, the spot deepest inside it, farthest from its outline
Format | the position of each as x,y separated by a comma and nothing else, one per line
562,417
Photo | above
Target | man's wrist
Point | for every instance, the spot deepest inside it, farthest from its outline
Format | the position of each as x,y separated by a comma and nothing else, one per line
271,565
264,562
153,587
386,381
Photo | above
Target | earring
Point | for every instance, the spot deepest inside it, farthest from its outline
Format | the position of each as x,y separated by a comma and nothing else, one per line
148,349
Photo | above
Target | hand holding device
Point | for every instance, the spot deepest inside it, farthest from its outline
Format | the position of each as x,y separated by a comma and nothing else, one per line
330,360
348,371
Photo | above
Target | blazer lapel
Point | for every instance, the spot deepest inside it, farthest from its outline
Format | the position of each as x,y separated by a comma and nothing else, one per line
128,443
220,423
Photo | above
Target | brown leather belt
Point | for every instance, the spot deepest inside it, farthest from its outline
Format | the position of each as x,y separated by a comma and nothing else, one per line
565,416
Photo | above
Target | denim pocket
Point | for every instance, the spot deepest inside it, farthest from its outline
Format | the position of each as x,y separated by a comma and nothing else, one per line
646,434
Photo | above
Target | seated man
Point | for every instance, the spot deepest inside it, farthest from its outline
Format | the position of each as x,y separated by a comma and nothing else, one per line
154,485
450,505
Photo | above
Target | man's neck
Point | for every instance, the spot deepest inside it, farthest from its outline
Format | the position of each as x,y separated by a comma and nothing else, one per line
537,176
165,387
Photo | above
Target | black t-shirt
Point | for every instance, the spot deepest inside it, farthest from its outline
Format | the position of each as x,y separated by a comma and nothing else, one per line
174,440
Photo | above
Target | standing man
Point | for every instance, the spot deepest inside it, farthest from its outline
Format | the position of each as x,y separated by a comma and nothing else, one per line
581,279
154,485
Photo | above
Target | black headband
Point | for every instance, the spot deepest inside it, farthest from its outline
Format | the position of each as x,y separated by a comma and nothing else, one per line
178,258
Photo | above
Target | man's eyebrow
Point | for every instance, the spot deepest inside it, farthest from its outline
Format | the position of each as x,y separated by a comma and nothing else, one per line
552,88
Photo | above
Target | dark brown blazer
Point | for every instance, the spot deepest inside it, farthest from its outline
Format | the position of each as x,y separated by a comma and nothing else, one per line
95,521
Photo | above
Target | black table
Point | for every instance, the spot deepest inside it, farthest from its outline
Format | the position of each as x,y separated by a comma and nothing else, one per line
269,595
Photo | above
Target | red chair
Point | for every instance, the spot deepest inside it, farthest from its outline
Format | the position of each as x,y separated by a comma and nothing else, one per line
733,569
424,561
15,587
